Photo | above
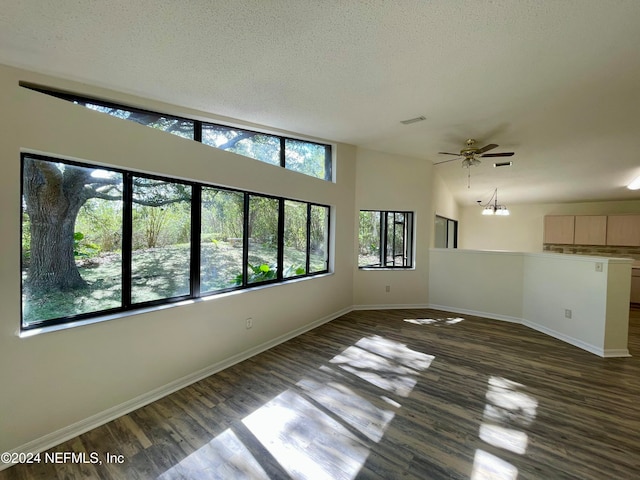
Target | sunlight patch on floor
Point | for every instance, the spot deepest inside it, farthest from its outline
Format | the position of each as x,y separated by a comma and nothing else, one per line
384,363
508,408
306,442
508,403
357,412
434,321
490,467
319,429
223,457
506,438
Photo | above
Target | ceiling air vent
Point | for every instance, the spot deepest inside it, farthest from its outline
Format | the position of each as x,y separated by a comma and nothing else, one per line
413,120
503,164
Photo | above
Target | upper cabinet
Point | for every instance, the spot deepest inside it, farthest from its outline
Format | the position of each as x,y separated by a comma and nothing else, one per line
559,229
590,230
623,230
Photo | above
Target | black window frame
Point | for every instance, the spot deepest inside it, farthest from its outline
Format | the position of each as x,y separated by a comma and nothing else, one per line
198,125
408,256
195,242
448,222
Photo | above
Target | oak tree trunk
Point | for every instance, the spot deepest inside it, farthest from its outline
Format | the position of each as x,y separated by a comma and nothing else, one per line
53,200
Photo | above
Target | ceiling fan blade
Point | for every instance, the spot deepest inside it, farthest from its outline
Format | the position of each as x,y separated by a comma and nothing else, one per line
505,154
447,153
486,148
446,161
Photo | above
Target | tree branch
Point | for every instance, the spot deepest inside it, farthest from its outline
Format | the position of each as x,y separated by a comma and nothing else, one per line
159,203
232,143
104,196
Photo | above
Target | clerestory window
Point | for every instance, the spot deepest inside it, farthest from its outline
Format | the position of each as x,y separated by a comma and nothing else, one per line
309,158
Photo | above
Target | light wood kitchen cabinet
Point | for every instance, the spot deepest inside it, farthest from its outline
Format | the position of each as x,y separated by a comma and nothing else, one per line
623,230
559,229
590,230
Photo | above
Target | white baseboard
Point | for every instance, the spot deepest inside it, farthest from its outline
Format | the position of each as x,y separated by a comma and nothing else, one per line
609,353
476,313
616,352
62,435
565,338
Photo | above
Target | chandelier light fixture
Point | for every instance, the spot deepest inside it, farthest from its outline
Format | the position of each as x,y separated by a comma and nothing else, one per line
490,208
635,184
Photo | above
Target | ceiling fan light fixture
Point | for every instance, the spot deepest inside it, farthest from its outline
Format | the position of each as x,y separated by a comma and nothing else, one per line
635,184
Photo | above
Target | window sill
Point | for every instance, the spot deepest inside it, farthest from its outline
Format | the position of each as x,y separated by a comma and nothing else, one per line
114,316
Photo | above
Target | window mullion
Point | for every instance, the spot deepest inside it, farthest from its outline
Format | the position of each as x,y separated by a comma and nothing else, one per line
245,241
383,239
197,131
328,173
127,237
196,229
280,242
307,267
393,240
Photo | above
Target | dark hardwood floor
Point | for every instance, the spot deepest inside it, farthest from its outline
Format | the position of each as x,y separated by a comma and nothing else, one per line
400,394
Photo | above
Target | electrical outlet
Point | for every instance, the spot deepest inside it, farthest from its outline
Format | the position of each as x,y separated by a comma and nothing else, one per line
598,266
249,323
387,288
567,313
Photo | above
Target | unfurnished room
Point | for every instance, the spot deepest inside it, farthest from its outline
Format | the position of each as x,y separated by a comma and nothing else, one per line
320,239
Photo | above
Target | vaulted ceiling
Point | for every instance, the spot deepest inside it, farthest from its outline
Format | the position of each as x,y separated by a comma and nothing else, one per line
555,81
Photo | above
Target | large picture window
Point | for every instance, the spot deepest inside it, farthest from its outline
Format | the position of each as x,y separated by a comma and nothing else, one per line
99,240
385,239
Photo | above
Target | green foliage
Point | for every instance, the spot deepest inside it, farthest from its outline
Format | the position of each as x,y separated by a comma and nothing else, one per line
258,273
263,220
259,146
161,213
101,222
369,233
293,271
307,158
26,238
222,214
82,248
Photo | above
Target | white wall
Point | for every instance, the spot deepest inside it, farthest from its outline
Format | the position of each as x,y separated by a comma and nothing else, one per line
522,231
476,281
53,380
536,289
392,182
443,203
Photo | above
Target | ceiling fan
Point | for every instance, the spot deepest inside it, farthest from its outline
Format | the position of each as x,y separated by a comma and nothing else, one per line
469,154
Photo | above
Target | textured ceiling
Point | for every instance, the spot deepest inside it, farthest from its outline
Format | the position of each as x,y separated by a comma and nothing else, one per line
556,81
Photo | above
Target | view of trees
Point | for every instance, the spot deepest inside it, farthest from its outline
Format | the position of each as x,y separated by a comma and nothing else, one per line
385,239
74,234
79,251
305,157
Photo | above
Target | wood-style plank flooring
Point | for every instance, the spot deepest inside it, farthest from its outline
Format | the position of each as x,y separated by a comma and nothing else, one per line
403,394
